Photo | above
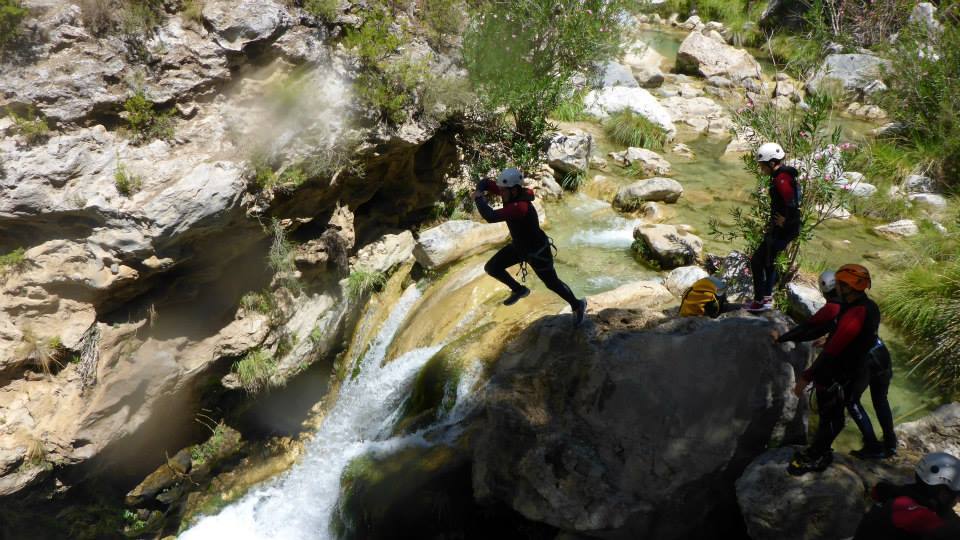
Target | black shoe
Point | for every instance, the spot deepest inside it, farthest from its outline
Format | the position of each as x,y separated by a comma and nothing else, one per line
869,452
802,463
580,312
515,296
889,452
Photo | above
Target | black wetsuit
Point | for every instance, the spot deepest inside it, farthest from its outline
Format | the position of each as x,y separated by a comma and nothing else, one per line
784,201
528,243
907,513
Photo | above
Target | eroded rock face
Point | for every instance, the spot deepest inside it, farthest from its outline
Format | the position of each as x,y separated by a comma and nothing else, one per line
632,197
701,55
851,72
454,240
638,431
569,152
667,246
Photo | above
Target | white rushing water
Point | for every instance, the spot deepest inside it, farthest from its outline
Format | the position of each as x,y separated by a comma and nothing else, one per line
298,504
613,232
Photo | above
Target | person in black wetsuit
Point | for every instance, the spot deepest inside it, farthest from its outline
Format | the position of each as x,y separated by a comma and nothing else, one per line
783,227
837,369
529,244
877,376
922,510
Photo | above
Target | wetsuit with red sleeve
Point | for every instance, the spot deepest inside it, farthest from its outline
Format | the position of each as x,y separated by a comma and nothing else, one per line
907,513
841,365
528,243
785,202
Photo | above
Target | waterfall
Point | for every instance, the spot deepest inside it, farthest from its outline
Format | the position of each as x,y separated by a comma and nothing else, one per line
299,503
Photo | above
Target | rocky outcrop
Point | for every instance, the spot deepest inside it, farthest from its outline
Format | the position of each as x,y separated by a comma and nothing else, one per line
918,183
702,114
640,294
784,13
681,279
804,299
616,74
606,101
667,246
903,228
829,505
701,55
646,64
646,162
850,72
929,201
644,438
632,196
569,152
454,240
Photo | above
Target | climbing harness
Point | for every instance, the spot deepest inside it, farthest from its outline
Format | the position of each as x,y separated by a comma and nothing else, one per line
536,256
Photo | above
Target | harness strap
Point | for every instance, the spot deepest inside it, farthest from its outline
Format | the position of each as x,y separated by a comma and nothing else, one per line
534,257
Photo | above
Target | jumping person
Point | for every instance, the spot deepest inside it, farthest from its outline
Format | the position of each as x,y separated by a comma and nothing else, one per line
877,375
922,510
782,228
839,366
529,244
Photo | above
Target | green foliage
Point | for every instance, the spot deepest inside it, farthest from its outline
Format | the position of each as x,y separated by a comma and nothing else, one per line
193,10
391,88
255,371
132,522
924,303
446,96
799,55
571,109
521,55
126,182
361,281
131,17
259,301
33,126
13,261
628,129
281,258
739,16
573,181
209,449
444,18
816,152
924,96
325,10
12,14
375,40
144,122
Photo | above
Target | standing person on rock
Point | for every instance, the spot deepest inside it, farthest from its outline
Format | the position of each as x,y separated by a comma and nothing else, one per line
922,510
782,228
877,375
528,242
840,366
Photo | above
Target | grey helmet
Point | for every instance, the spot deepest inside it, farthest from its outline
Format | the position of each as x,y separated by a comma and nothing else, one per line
509,178
940,469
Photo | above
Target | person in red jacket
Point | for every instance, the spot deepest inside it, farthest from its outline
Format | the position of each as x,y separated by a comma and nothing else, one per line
783,227
837,370
528,243
919,511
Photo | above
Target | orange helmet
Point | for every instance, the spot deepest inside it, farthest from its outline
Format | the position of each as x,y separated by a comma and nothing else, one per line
854,275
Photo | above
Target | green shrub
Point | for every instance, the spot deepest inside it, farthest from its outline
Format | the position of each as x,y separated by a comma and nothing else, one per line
255,371
572,109
628,129
259,301
128,16
33,126
391,89
573,181
13,261
361,281
193,10
444,18
522,55
281,258
126,183
325,10
209,449
375,40
144,122
446,96
12,14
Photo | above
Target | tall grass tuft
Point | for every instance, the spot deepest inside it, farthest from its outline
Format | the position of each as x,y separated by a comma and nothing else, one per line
629,129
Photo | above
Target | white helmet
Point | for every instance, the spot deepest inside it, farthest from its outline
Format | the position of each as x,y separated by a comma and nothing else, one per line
940,469
828,282
770,150
509,178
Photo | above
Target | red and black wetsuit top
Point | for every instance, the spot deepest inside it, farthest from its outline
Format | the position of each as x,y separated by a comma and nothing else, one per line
904,513
850,342
785,201
520,215
825,321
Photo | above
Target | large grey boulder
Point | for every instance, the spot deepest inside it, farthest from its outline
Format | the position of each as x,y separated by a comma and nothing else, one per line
456,239
667,246
805,300
852,72
929,201
784,13
237,24
616,74
918,183
937,432
646,161
638,431
606,101
632,196
701,113
569,152
701,55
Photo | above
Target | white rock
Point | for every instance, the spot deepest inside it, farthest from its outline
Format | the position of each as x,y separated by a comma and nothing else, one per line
616,74
604,102
898,229
652,163
702,55
683,150
569,152
456,239
667,245
916,183
681,279
931,201
805,300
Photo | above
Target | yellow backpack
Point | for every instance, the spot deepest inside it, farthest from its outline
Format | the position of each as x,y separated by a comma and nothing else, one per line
702,299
